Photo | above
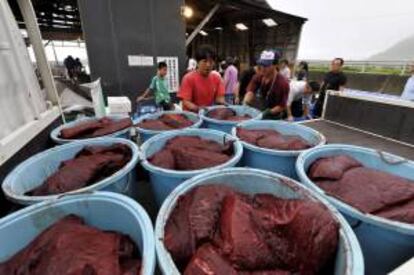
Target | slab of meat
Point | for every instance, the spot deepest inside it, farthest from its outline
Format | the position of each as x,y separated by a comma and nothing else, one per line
186,153
166,122
112,127
221,113
208,261
282,142
119,154
241,241
227,114
82,129
181,142
205,210
71,247
164,159
190,158
302,235
296,143
179,239
193,221
226,232
402,212
96,128
251,136
332,168
176,121
272,139
89,166
273,142
368,190
154,124
239,118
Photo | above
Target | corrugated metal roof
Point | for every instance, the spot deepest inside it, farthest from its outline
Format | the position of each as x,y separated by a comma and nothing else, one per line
60,19
203,6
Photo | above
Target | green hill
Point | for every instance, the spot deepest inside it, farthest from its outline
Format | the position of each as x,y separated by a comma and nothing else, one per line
403,50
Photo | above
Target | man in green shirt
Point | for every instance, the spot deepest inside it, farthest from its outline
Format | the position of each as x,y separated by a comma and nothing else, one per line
158,87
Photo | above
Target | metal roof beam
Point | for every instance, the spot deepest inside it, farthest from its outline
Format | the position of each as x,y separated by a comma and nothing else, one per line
202,24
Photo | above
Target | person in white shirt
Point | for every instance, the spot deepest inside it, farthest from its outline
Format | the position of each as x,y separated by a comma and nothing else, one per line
192,65
300,97
284,69
408,93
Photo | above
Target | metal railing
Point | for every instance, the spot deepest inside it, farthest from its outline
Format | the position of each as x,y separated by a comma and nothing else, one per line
400,67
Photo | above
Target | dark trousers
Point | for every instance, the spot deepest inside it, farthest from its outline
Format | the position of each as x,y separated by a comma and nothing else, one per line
166,106
229,98
297,108
319,104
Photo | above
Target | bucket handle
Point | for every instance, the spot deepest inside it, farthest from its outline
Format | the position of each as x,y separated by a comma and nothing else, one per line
128,184
203,110
141,157
385,159
227,138
90,192
356,224
138,138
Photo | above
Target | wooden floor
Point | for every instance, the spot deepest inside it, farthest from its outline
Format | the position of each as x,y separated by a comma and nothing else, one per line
335,133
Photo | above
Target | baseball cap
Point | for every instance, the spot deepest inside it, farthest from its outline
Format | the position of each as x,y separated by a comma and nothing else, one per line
268,58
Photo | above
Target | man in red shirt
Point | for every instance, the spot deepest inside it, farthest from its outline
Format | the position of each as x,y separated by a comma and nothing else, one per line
203,87
271,87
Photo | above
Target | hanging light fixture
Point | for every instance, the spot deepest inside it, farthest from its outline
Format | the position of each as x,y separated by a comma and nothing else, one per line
270,22
241,27
187,12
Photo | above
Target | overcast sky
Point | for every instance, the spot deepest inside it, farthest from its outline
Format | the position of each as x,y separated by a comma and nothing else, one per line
353,29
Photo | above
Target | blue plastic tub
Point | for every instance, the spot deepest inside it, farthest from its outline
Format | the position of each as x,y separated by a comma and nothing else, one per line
35,170
251,181
145,134
163,181
226,126
278,161
386,244
56,132
104,210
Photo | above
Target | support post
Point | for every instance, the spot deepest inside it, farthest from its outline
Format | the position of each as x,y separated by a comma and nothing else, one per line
298,44
35,37
54,53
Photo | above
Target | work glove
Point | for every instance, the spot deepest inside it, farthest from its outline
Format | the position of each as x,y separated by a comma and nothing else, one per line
266,113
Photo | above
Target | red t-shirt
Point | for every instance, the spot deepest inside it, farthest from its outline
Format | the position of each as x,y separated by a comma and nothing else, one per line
200,90
272,96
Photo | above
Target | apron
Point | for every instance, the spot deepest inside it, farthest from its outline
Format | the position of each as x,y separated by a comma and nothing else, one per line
265,100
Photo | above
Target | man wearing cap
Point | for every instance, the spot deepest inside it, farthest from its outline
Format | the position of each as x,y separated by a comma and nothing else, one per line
272,88
202,87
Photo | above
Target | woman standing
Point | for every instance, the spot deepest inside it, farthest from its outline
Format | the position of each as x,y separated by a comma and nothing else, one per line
303,71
